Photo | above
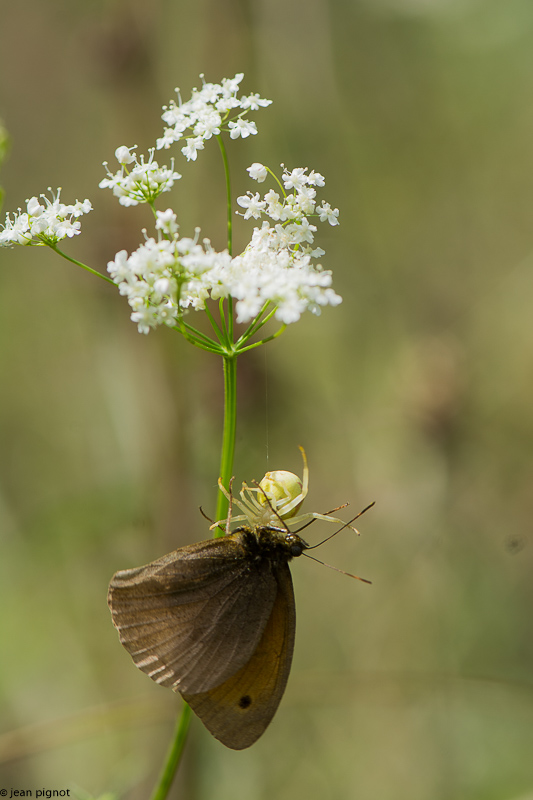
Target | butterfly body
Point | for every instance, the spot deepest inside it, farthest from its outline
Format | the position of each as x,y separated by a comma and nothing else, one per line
215,621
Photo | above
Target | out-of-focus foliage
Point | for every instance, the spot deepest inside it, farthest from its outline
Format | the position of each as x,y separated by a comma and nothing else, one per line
416,393
4,147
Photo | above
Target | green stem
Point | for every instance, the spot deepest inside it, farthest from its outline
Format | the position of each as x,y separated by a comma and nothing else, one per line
174,755
230,318
228,192
222,338
281,186
228,436
256,325
226,467
263,341
222,314
83,266
252,327
225,337
198,335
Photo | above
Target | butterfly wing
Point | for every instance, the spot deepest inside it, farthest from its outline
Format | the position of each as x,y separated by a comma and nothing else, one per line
195,616
239,710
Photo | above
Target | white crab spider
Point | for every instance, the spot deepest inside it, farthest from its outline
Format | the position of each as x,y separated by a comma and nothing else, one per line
276,498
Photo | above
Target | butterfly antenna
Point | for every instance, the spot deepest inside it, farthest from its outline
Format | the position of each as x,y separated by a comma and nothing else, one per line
326,514
346,525
202,512
343,572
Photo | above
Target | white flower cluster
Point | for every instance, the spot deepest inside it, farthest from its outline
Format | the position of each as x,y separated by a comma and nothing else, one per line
205,114
141,183
295,207
277,265
44,224
163,278
268,272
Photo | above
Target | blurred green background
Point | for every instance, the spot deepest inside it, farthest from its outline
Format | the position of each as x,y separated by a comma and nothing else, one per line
416,392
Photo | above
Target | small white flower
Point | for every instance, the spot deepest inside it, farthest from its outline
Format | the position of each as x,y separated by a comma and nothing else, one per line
162,285
166,221
146,318
119,268
226,104
257,172
35,209
208,125
254,102
248,308
242,128
275,206
230,86
326,212
301,231
79,208
124,156
291,208
190,151
168,138
16,231
252,204
316,179
296,179
306,199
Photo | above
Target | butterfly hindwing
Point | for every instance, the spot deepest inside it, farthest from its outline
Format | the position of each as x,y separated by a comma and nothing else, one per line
238,711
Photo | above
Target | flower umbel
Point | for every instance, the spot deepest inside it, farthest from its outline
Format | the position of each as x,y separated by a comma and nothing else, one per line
143,182
44,224
277,266
212,109
162,279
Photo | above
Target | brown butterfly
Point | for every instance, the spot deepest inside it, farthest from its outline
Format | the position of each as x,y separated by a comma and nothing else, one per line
215,621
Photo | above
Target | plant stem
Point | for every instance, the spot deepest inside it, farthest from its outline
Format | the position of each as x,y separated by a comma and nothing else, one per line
228,436
263,341
226,467
174,755
225,337
228,191
83,266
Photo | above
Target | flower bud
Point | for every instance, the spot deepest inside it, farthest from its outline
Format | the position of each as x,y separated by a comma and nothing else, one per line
257,172
35,209
123,155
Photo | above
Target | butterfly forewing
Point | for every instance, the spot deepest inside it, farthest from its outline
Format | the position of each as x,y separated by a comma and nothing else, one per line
195,617
238,711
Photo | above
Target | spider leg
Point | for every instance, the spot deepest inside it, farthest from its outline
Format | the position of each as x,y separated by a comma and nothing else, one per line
240,518
311,516
305,474
253,505
233,500
273,509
